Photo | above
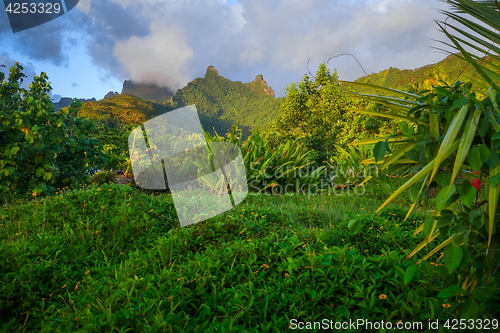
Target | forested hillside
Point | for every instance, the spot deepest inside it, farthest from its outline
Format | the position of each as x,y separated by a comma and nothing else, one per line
450,69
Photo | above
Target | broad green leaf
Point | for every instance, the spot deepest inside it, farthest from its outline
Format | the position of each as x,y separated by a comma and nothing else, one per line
474,159
458,103
386,187
452,257
467,194
355,226
484,152
444,195
429,226
450,291
494,180
410,271
470,309
449,138
484,293
380,150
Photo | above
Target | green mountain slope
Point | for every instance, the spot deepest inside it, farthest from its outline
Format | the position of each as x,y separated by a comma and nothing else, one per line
450,69
251,104
219,101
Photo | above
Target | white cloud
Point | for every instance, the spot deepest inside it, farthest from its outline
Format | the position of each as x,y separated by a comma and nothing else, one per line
158,58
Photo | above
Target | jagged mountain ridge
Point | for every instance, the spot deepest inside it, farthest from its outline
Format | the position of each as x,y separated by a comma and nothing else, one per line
220,103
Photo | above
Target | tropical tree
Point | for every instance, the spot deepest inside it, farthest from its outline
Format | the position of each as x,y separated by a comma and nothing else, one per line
451,135
41,150
311,113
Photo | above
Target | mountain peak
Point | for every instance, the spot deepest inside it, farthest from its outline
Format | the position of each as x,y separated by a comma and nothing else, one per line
260,86
212,68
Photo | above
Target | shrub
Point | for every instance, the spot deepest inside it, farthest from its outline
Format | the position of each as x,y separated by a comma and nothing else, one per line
40,149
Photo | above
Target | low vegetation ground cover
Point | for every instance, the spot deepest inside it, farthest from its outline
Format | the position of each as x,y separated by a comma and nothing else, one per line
112,259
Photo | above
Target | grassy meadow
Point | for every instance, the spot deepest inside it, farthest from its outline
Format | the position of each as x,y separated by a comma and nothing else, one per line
112,258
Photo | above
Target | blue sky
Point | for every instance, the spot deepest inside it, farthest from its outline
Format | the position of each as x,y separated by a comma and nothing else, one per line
90,50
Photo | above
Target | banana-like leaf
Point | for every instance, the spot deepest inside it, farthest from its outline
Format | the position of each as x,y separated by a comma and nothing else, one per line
389,90
387,99
392,116
419,174
449,138
418,196
493,194
396,138
465,143
398,153
434,124
437,248
422,244
471,61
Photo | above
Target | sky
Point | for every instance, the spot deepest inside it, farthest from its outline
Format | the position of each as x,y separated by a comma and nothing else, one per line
93,48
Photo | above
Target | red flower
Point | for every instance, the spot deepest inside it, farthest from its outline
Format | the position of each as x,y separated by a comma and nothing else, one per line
475,182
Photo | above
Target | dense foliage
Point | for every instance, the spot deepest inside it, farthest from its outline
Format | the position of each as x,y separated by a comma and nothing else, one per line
284,169
450,136
216,96
319,115
41,150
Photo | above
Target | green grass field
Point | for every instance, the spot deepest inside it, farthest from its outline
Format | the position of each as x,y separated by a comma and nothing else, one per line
114,259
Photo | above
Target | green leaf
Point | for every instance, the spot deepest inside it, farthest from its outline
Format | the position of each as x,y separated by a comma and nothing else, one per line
428,226
474,159
452,257
485,292
449,138
467,194
444,196
494,180
386,187
410,271
465,143
470,309
484,153
380,150
355,226
450,291
458,103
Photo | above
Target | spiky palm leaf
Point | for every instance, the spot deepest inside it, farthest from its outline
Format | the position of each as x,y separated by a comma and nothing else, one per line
463,118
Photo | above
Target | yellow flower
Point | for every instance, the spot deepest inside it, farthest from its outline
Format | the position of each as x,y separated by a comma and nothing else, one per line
446,305
383,296
286,274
